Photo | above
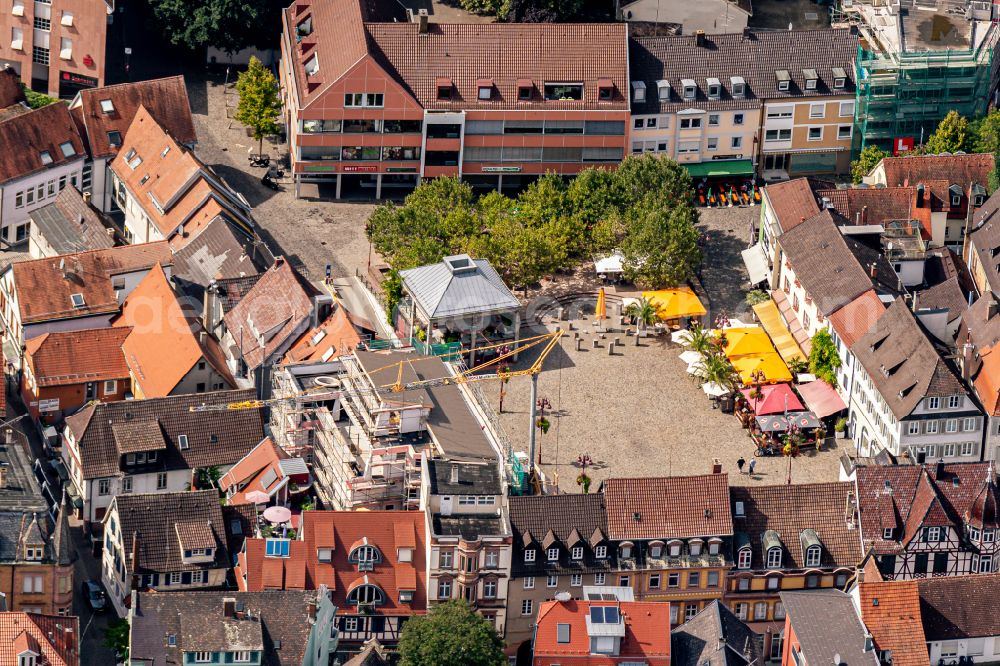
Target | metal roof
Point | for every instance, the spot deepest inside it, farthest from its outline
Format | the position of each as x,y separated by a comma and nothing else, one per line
456,286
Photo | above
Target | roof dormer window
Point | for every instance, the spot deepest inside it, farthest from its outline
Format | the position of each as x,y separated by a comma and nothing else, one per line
738,87
605,90
365,556
811,78
690,89
663,90
784,79
553,554
714,88
77,300
312,65
46,157
638,91
839,78
813,554
107,106
485,87
277,547
305,27
444,88
524,89
773,558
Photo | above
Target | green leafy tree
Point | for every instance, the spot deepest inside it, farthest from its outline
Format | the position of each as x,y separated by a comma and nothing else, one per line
229,25
659,175
661,245
594,195
544,200
36,100
716,368
450,635
866,161
483,6
984,134
756,297
116,637
440,196
523,253
824,361
949,136
260,101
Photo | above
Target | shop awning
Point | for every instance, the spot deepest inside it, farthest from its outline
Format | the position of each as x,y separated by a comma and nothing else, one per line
720,168
821,398
756,263
675,303
771,365
769,317
774,399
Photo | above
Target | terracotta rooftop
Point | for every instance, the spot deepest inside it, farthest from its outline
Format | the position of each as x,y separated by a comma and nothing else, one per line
334,337
19,631
662,507
793,202
646,631
44,289
959,607
10,88
341,531
790,511
220,440
902,497
270,312
45,137
166,341
902,363
958,169
260,470
563,521
75,357
178,193
854,319
102,112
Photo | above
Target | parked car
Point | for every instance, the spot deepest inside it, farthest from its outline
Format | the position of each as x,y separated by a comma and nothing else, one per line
94,594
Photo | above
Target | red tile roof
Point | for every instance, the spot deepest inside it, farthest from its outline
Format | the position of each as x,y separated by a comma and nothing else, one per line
908,495
946,169
337,333
10,88
166,100
35,132
385,530
247,475
33,630
275,307
959,607
677,506
647,633
793,202
166,342
74,357
508,52
854,319
891,611
44,289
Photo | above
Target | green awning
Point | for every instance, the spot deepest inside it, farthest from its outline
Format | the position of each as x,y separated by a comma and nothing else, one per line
720,168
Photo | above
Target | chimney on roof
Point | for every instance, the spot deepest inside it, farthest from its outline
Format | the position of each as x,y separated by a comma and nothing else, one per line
864,215
699,37
454,473
87,196
62,267
873,270
229,607
422,21
920,195
311,610
939,469
716,466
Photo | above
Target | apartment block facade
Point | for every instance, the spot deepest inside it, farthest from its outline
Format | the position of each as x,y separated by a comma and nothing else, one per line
384,104
56,46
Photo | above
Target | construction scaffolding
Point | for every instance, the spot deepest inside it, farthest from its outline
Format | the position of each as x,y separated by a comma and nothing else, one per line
916,62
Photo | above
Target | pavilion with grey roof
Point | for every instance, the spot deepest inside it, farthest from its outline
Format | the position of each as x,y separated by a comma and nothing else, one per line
460,297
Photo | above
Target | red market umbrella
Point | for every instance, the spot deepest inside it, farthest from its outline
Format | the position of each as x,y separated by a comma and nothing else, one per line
774,399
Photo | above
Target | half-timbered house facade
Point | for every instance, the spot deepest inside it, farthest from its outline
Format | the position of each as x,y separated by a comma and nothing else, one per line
918,521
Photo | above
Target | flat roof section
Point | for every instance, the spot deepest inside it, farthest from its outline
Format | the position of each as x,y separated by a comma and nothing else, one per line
451,422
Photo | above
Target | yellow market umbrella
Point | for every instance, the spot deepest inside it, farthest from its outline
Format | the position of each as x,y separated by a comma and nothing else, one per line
675,303
601,311
747,341
770,364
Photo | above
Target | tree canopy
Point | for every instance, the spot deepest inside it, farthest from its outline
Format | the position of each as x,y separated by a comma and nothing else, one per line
229,25
259,106
450,635
867,159
950,135
644,208
824,361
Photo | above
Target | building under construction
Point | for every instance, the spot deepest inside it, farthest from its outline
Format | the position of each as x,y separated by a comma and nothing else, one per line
366,441
918,60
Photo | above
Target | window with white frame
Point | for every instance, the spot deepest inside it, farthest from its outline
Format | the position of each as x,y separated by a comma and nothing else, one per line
175,578
577,553
743,559
551,581
529,555
528,583
576,580
760,610
815,134
930,427
913,428
490,588
773,558
203,657
954,401
694,546
951,425
599,578
934,403
527,605
813,554
968,424
817,110
713,143
740,610
444,588
844,132
713,120
553,554
887,533
736,142
968,448
846,109
948,450
601,552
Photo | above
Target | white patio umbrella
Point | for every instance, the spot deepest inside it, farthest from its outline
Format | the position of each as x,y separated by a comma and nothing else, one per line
714,390
690,356
680,336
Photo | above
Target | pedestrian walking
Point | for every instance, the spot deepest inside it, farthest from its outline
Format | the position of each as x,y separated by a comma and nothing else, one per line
753,463
740,463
